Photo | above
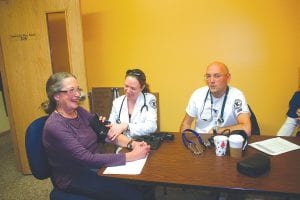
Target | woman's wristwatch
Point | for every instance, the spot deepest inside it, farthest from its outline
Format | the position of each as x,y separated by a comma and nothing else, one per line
129,144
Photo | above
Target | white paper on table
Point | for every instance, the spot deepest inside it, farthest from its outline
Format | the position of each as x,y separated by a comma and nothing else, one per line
275,146
131,168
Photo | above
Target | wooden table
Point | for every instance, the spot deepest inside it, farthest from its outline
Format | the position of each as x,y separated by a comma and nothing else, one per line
174,165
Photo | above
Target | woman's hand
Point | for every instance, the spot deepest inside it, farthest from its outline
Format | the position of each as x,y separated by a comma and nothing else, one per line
115,130
112,134
139,150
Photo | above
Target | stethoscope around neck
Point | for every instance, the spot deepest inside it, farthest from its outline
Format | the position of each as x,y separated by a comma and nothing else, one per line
144,106
220,119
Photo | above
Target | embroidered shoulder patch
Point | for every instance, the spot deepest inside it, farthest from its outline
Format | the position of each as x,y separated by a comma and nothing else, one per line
152,103
237,104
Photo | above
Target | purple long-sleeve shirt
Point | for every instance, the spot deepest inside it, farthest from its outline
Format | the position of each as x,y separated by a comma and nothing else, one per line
71,145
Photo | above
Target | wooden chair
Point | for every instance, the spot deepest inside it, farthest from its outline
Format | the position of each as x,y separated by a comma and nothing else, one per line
156,94
101,98
100,102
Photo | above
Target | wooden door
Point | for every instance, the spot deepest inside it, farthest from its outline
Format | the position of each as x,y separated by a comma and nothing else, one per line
27,60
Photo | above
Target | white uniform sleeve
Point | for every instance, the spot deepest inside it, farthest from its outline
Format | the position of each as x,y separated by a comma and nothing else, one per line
196,102
288,127
240,104
146,122
191,108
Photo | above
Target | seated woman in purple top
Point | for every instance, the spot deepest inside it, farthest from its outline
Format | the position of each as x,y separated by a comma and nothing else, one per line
71,146
293,117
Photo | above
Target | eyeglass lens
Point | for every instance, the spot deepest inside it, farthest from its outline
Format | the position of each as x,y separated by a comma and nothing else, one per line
72,91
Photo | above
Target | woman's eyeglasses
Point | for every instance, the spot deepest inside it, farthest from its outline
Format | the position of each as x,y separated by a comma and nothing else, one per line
72,91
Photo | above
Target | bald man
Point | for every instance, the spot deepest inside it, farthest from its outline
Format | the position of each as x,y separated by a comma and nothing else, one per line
217,106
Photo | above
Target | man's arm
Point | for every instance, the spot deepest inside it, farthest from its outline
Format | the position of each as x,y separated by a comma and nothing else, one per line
244,123
288,127
186,123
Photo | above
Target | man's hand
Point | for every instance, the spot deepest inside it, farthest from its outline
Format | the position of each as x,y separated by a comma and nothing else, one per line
298,113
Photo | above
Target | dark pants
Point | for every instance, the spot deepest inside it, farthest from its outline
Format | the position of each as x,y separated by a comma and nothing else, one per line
89,184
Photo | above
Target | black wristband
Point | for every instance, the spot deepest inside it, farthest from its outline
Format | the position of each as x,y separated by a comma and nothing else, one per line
215,130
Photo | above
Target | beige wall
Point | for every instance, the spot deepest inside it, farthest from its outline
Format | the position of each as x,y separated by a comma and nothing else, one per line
173,41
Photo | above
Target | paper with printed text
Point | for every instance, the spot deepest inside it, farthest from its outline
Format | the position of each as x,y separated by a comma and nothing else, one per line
275,146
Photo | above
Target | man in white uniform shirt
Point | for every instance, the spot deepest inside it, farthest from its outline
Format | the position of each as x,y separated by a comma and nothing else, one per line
217,106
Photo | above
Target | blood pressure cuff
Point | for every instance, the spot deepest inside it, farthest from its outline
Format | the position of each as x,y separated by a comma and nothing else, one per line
254,165
99,128
164,136
151,140
155,139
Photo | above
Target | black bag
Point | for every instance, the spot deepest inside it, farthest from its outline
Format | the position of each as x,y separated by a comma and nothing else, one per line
254,165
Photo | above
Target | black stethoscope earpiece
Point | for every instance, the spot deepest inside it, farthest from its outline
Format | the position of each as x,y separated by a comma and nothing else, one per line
144,106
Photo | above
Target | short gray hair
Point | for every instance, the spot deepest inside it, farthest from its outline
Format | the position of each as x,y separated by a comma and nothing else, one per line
54,85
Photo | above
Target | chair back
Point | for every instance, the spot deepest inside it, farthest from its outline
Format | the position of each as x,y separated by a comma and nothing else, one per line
38,162
101,98
156,94
36,154
255,130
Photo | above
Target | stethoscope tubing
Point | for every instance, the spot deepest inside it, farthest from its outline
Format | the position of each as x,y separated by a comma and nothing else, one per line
144,106
220,120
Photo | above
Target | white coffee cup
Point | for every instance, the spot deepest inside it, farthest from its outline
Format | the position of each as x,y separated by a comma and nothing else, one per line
220,142
236,145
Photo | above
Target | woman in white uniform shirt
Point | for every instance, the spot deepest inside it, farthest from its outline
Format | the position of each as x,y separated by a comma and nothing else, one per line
135,112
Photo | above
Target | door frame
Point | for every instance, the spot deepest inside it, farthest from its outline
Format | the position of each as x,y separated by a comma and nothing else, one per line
27,62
